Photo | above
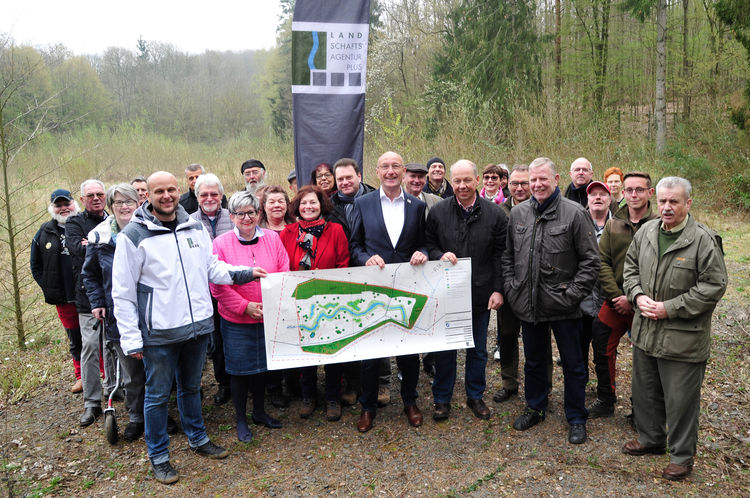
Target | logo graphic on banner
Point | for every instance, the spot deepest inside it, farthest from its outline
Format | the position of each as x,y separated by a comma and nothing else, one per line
329,58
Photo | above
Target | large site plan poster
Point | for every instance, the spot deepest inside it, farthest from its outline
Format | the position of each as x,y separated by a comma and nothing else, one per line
347,314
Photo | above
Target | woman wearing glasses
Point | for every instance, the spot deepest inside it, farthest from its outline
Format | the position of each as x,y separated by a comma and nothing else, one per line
122,201
313,243
241,309
322,176
492,185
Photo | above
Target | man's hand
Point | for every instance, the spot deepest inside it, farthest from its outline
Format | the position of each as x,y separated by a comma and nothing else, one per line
654,310
137,356
496,301
418,258
622,305
375,260
259,272
99,313
449,256
254,310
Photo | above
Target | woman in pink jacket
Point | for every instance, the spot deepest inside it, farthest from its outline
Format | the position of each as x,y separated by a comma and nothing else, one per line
241,308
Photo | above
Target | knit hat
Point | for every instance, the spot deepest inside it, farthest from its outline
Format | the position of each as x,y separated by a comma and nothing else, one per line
251,163
435,160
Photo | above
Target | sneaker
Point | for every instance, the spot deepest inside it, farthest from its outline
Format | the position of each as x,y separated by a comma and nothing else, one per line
211,450
384,395
133,431
600,409
308,407
577,434
164,472
528,419
333,413
496,355
349,398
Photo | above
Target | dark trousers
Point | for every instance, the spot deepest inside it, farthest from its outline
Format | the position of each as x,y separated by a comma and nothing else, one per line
217,357
606,332
535,343
586,323
309,381
508,332
74,343
409,366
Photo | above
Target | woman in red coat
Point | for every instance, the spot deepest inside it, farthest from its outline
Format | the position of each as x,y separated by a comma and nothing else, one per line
313,243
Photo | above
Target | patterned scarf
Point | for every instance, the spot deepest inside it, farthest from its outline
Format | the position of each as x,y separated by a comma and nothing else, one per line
307,239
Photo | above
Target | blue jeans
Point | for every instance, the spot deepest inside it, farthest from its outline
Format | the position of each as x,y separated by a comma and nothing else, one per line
183,361
476,363
536,348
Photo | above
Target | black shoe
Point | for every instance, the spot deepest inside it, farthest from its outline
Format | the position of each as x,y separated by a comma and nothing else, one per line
164,472
211,450
267,420
577,434
479,409
90,414
442,411
600,409
172,426
504,395
528,419
278,400
133,431
223,394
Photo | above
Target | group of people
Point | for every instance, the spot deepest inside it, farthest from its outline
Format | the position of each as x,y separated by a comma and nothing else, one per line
165,278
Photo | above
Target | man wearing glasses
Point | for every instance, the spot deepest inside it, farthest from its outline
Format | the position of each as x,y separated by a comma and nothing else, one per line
388,226
77,230
616,314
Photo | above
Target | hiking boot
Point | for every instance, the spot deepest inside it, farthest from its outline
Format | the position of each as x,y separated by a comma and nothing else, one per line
77,387
211,450
308,407
164,472
528,419
384,395
133,431
349,398
333,413
600,409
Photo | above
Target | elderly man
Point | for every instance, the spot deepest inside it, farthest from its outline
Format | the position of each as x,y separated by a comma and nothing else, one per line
436,182
188,200
415,180
52,268
388,226
139,184
77,230
550,264
254,173
161,270
581,173
674,275
468,226
508,325
616,315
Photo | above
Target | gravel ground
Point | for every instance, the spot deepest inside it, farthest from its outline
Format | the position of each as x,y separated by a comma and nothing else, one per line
44,450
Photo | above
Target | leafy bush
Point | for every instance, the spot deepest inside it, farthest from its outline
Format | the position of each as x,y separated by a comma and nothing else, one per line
739,191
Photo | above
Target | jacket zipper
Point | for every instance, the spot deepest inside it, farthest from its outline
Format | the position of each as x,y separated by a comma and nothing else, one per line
184,279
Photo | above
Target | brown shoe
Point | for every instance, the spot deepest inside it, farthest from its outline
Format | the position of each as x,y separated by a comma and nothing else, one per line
479,408
308,407
635,448
442,411
333,412
384,395
77,387
365,421
349,398
677,472
413,415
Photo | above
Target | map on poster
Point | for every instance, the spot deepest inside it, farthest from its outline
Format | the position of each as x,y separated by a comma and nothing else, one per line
351,314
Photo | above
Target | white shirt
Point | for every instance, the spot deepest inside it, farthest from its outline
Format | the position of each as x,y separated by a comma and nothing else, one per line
393,215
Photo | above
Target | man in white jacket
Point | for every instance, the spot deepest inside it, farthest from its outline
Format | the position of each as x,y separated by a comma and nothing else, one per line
162,266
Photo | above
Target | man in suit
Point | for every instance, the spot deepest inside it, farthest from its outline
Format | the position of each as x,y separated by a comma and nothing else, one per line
388,226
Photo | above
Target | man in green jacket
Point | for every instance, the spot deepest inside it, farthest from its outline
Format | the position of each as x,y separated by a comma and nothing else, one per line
616,315
674,276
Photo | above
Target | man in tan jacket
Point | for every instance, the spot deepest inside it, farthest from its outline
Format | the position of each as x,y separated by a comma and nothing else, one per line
674,276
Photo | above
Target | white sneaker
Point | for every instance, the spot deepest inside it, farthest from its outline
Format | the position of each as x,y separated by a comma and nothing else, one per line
496,355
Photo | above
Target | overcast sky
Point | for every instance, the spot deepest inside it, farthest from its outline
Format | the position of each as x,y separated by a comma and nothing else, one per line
89,27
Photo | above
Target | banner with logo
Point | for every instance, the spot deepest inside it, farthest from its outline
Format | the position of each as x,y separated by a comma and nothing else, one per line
329,62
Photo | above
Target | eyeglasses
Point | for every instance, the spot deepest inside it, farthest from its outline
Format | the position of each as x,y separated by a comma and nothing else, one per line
209,194
128,202
637,190
246,214
493,178
100,195
323,175
394,167
519,184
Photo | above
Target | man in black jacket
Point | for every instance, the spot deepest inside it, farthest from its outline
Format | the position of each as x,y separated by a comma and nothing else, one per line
463,226
77,230
581,173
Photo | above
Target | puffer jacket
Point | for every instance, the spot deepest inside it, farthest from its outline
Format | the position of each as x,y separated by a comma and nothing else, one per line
613,245
160,280
97,272
551,260
51,264
222,222
690,279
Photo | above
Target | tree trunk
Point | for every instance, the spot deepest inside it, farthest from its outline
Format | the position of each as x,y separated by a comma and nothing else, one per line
558,49
661,69
685,63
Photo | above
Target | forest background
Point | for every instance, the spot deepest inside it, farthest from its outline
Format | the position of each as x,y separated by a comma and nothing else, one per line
492,81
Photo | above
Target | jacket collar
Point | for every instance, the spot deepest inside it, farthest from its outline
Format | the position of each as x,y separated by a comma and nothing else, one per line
145,217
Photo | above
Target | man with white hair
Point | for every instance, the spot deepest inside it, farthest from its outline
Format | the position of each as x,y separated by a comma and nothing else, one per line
52,268
674,275
188,200
581,173
77,231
